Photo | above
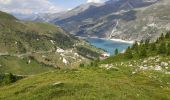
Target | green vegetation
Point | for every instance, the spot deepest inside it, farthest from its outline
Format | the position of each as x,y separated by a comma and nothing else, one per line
118,77
168,49
43,42
22,66
87,84
146,49
8,78
6,16
86,52
128,53
116,51
31,51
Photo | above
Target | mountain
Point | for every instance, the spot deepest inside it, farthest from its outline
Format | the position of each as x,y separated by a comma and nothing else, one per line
125,19
41,61
137,78
38,17
28,47
77,10
48,17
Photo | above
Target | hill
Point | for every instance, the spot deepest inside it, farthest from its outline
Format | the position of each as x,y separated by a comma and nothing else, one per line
29,44
122,76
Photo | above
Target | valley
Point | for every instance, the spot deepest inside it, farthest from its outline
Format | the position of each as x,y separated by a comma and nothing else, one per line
39,44
98,50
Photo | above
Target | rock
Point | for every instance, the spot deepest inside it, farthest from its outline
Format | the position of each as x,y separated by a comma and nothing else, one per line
143,68
107,66
62,55
158,68
130,65
58,84
59,50
43,56
145,61
157,60
169,62
29,61
168,73
164,64
52,41
65,61
76,54
150,66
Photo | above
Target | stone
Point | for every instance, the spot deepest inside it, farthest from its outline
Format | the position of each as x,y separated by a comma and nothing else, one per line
158,68
164,64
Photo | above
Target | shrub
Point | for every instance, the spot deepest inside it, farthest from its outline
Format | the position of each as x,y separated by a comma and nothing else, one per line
162,48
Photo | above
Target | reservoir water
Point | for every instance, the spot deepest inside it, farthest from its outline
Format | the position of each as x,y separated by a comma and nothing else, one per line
108,45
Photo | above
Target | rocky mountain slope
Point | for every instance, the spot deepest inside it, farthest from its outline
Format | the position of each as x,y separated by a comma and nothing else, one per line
26,46
125,19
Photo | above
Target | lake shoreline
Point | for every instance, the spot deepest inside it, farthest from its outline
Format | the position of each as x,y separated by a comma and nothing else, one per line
109,45
112,39
124,41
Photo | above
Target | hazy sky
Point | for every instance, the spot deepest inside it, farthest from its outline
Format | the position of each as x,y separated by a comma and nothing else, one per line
36,6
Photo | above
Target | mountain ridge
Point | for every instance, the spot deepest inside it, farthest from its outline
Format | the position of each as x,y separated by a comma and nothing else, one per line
100,21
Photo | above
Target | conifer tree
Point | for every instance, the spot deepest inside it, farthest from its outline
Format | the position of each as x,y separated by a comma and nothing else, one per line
8,78
167,35
143,52
157,40
135,47
168,49
162,37
147,41
116,51
141,42
153,47
162,48
81,65
128,53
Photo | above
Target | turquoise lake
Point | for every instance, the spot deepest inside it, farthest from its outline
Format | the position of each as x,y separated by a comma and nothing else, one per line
108,45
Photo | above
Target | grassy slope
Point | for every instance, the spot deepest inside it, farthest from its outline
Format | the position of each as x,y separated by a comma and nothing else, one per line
118,82
85,84
10,33
39,40
114,78
22,66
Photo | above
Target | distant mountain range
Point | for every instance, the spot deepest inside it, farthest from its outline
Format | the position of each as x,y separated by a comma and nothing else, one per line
123,19
38,17
113,19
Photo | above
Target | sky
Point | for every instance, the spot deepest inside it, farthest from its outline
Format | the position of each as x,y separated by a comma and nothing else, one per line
41,6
